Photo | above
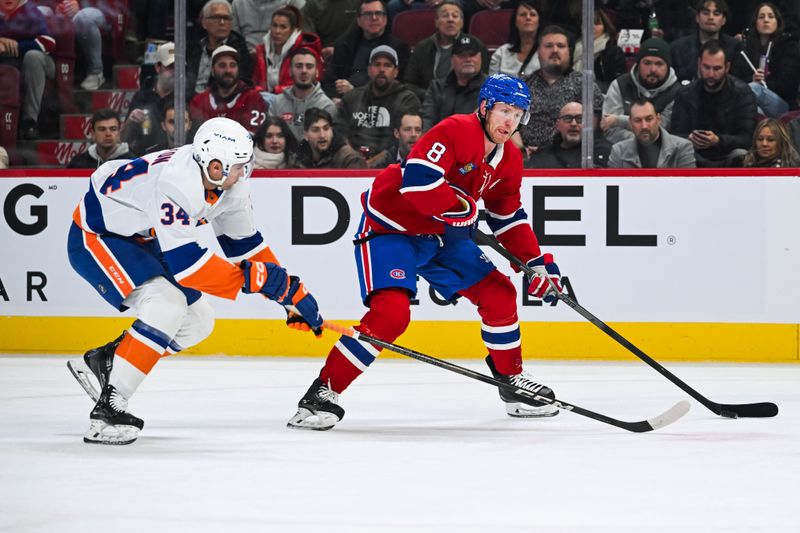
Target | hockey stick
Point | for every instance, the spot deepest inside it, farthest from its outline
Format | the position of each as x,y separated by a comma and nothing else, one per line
729,410
664,419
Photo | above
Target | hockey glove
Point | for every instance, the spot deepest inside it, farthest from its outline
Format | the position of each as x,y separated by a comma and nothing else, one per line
544,269
461,223
302,309
269,279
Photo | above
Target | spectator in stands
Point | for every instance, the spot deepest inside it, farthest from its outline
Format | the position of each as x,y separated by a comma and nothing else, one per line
564,151
609,59
148,105
407,128
772,146
89,20
651,146
26,44
458,91
330,19
711,17
275,146
106,145
322,146
228,95
348,66
216,19
273,66
552,86
775,85
304,93
3,158
366,112
518,56
431,57
253,18
716,112
651,77
168,127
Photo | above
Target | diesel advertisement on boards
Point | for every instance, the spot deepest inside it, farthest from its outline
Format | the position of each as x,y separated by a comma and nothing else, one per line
631,249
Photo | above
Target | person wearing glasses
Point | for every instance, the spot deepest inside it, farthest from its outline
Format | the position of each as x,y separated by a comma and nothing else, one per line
652,146
348,66
565,149
217,20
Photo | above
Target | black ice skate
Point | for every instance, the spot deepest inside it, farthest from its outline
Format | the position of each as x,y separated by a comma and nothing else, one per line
97,361
523,380
318,409
110,423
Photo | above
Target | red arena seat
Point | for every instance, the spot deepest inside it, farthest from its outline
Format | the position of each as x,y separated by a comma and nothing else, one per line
413,25
491,27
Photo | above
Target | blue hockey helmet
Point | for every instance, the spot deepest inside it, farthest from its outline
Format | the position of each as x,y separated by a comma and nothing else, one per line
508,90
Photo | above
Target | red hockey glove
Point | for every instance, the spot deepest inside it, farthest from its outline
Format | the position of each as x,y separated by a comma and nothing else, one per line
269,279
544,269
301,308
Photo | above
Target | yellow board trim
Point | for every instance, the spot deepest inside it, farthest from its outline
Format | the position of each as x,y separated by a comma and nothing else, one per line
456,340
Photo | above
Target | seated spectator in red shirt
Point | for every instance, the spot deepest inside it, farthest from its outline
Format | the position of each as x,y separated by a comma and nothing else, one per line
322,146
26,44
272,72
227,95
106,146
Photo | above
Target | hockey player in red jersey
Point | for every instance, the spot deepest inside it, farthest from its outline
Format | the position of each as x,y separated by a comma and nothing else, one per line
418,217
135,239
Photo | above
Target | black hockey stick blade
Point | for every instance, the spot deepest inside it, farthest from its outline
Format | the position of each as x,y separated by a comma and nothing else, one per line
728,410
664,419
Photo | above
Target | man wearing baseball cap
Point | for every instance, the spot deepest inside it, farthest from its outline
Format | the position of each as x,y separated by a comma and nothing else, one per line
141,129
458,91
228,95
652,77
366,112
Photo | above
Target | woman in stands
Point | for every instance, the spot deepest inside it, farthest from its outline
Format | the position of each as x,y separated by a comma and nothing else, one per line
775,85
272,72
275,146
518,56
609,59
772,146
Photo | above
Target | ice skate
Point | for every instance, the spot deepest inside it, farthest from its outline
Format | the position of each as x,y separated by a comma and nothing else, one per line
318,409
97,362
111,423
523,380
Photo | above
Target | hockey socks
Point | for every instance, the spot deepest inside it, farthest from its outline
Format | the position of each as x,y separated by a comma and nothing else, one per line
387,319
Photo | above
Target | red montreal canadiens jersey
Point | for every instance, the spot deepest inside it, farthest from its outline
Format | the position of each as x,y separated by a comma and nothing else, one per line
406,198
247,108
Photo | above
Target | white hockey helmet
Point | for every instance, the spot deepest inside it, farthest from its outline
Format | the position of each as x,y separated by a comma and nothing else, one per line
226,141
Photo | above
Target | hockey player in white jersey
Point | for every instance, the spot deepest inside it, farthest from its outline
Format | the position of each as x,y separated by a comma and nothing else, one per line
135,239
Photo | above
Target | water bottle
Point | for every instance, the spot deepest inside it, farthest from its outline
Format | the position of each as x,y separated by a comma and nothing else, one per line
652,21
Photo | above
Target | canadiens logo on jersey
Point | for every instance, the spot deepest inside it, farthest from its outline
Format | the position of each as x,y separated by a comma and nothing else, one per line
466,169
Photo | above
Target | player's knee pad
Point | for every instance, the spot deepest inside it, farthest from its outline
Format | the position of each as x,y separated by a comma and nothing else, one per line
496,299
389,314
160,305
197,325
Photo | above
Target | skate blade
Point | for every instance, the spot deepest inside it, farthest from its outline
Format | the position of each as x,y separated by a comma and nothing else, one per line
521,410
81,373
319,421
101,433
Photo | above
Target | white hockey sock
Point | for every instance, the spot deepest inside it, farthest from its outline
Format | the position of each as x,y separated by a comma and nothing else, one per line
125,377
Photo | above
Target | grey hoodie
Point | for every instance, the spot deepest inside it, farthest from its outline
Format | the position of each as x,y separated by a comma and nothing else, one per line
618,101
291,109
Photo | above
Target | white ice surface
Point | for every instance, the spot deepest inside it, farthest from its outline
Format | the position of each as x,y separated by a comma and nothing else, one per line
420,449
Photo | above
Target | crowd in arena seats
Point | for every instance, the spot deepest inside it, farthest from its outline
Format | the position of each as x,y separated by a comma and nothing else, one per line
349,84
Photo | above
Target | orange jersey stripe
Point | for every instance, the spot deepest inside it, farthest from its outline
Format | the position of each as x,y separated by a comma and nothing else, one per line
138,354
265,255
108,263
218,277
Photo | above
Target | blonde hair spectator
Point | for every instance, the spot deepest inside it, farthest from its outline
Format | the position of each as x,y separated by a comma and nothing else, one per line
772,146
